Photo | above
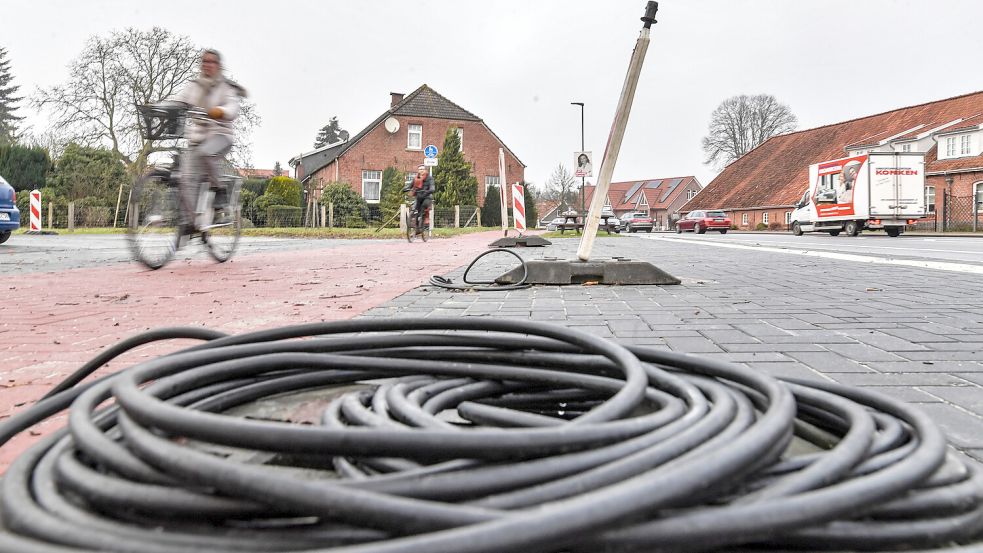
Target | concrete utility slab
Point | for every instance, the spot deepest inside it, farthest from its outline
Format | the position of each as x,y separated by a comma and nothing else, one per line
618,271
520,241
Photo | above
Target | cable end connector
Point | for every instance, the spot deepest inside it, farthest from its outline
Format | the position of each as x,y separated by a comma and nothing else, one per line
649,17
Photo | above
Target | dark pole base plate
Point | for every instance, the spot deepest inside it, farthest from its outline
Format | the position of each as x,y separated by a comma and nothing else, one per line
619,271
521,241
40,232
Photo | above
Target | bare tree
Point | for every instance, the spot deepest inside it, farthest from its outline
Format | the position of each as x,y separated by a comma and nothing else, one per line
740,123
114,74
560,186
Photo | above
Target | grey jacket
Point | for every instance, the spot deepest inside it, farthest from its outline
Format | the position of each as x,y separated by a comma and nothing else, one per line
222,93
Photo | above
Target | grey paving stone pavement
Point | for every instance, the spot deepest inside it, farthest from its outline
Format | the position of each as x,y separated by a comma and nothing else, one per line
913,334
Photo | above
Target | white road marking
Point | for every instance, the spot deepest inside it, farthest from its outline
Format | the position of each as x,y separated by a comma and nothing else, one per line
827,245
937,265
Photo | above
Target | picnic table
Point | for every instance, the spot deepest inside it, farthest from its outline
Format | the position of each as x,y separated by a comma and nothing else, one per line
572,221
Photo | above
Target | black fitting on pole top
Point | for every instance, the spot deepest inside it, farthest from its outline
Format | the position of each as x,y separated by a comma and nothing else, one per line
649,17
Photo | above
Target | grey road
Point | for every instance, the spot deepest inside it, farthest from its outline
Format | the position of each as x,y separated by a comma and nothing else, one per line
49,253
960,253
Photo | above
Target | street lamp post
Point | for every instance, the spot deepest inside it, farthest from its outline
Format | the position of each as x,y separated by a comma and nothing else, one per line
583,180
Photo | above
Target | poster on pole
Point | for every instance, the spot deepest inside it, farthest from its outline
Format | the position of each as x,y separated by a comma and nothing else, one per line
503,190
584,165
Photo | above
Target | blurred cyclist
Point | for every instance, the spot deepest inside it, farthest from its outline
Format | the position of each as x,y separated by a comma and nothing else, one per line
210,139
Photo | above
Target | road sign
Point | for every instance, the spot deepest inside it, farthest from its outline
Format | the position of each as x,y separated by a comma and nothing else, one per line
430,151
430,162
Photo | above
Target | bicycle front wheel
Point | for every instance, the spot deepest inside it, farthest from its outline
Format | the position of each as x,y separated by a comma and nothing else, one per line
153,220
222,237
410,225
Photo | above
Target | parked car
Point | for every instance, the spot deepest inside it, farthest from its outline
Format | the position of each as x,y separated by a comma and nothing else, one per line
9,214
634,222
702,221
551,226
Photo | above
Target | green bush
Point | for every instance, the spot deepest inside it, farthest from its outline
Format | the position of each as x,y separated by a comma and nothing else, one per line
256,186
775,226
25,167
283,216
285,191
761,226
348,205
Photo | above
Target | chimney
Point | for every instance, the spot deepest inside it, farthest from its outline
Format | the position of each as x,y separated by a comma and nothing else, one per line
397,98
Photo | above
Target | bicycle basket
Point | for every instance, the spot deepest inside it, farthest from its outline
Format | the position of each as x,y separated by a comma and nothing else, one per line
162,122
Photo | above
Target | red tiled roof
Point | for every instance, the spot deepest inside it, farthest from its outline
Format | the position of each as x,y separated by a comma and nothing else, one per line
777,171
658,193
968,123
259,173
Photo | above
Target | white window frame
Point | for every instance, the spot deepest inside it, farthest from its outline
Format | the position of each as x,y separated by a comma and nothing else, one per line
978,192
460,136
690,194
411,131
492,180
950,146
368,178
930,199
965,144
744,219
764,218
642,200
788,217
906,147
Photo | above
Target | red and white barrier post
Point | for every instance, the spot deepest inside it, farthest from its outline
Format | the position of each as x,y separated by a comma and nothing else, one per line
519,208
35,210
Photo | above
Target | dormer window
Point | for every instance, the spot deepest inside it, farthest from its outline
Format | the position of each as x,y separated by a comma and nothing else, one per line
965,143
906,147
950,146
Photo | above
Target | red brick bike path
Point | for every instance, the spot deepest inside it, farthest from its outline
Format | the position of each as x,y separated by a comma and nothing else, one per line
65,318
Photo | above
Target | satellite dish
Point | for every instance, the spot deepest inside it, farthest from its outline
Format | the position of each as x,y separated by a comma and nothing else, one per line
392,125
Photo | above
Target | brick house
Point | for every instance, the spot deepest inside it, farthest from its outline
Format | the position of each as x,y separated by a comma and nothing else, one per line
397,139
763,186
661,199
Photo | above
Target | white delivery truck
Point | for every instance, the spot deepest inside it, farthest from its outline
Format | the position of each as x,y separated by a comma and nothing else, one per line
878,190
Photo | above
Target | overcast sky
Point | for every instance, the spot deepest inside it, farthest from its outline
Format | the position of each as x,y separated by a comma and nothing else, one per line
518,63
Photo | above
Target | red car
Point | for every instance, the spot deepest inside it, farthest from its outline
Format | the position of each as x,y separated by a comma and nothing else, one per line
702,221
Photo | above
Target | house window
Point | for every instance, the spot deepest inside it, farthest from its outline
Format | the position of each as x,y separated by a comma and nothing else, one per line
906,147
788,217
491,181
965,141
764,217
414,137
690,194
950,146
930,199
744,219
371,185
460,136
979,195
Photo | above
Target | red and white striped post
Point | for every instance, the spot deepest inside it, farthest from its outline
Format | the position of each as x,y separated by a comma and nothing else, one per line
35,210
519,208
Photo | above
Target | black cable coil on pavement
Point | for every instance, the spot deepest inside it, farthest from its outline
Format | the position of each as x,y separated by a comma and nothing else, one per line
473,435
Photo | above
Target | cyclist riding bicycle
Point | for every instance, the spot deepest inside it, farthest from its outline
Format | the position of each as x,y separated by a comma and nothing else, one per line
209,139
422,189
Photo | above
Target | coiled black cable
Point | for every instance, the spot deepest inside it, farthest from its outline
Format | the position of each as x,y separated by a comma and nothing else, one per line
484,285
474,434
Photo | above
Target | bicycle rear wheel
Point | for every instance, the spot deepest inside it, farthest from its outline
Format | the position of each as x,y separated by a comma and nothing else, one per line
222,237
153,215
